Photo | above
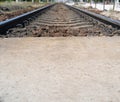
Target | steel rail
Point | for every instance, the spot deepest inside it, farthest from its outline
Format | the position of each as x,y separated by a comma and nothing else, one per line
10,23
101,18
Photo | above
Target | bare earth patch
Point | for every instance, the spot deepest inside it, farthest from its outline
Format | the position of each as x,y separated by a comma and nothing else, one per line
71,69
112,14
10,11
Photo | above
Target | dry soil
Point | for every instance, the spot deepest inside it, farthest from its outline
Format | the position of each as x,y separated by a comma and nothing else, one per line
71,69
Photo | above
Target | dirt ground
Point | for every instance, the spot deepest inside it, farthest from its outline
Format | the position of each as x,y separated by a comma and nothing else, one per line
11,10
111,14
71,69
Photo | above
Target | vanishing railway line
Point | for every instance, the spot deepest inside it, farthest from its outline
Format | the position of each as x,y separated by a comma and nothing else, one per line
59,20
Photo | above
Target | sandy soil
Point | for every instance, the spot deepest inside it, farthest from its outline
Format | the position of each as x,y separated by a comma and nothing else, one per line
11,10
71,69
112,14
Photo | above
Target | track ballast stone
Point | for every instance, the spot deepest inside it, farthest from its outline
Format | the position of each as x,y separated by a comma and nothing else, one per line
59,20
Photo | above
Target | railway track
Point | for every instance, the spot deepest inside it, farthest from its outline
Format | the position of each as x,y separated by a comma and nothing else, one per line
59,20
